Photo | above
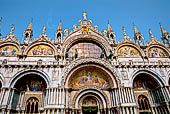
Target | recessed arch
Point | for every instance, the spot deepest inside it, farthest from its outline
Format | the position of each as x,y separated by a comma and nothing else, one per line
83,49
130,50
153,75
9,49
111,77
96,93
48,48
23,73
157,51
100,41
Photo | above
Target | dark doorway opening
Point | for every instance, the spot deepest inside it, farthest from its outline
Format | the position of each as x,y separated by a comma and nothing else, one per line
90,110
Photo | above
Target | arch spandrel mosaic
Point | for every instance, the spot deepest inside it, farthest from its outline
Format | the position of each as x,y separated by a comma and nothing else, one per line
8,50
157,52
90,76
41,50
128,51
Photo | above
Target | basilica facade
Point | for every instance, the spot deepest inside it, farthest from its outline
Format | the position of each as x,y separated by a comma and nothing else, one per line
84,71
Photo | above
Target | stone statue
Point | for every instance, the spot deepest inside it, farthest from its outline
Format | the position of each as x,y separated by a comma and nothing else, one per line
12,30
75,27
66,32
84,16
150,33
44,30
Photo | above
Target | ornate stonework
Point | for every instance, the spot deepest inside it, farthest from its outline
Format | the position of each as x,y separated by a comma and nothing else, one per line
84,70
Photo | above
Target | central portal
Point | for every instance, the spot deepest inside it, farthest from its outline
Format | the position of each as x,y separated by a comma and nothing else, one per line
90,110
89,105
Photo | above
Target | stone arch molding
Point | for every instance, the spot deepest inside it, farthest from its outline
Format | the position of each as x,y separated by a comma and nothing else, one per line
99,94
158,46
151,73
22,73
40,43
141,52
66,73
12,44
88,37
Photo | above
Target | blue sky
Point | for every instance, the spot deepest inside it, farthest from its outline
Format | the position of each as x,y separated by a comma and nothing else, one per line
144,14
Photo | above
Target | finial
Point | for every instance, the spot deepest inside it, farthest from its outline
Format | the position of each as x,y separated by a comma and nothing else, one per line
150,34
124,31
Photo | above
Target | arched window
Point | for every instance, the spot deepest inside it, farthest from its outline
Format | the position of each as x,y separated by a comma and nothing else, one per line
85,50
32,105
143,103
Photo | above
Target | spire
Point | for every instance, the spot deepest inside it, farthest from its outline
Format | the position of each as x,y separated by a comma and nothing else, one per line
162,29
135,29
30,26
60,27
138,36
109,29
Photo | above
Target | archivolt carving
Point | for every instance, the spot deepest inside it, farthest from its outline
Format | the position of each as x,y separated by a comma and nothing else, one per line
78,62
86,89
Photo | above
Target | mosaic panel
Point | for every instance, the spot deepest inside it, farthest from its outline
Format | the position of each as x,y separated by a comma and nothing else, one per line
157,52
127,51
8,51
85,50
41,50
90,76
